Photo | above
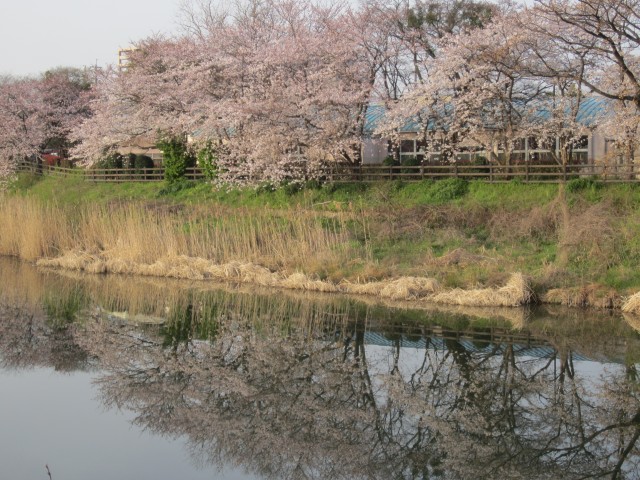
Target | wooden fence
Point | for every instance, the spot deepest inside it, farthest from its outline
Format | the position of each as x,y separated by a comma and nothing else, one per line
490,173
372,173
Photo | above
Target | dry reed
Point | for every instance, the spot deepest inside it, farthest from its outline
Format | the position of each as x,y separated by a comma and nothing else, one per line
632,304
204,244
404,288
516,292
134,233
588,296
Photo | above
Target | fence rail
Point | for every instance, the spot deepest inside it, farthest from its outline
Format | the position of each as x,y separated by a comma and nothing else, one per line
491,173
370,173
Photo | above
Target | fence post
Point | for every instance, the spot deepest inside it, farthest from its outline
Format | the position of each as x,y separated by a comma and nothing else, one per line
564,172
455,169
526,172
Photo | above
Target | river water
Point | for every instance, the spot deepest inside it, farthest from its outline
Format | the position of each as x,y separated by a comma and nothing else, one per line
112,377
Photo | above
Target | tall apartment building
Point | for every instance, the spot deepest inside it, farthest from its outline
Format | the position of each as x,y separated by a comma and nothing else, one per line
123,57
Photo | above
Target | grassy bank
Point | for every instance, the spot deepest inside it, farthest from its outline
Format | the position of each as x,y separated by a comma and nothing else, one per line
580,245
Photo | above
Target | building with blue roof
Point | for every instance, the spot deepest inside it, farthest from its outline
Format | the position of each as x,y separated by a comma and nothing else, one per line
409,143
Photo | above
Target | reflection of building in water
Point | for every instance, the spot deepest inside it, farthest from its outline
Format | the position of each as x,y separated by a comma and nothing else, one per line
479,343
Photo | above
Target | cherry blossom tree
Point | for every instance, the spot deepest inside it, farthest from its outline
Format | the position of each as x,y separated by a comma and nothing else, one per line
607,34
279,89
22,126
485,88
40,113
600,40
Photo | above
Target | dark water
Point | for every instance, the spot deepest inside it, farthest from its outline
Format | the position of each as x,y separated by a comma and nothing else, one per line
106,377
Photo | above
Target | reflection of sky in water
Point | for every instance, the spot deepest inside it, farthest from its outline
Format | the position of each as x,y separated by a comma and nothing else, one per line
55,419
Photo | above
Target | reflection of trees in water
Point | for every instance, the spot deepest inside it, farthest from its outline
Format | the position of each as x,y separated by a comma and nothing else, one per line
302,403
30,339
520,417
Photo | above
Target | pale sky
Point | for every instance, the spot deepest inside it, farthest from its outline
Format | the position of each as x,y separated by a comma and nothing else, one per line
36,35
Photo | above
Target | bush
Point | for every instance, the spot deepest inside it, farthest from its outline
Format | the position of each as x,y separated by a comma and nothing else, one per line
143,161
410,161
177,158
129,160
265,187
352,188
208,161
390,161
112,161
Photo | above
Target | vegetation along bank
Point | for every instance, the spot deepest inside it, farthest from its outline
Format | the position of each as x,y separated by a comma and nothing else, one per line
447,241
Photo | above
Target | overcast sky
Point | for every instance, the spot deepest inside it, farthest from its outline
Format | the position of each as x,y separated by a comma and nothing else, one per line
36,35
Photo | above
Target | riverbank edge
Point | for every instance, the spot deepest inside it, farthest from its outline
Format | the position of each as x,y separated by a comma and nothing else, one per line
517,292
542,202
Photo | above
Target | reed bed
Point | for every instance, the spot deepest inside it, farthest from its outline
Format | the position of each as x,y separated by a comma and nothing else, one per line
32,230
272,250
100,238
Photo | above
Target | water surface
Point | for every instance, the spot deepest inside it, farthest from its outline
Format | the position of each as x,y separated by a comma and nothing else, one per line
115,377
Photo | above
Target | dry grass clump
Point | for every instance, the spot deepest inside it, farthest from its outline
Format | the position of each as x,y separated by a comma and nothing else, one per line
593,228
68,261
300,281
516,292
588,296
403,288
632,305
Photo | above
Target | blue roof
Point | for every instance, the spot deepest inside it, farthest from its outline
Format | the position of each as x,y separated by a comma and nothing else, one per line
439,343
591,109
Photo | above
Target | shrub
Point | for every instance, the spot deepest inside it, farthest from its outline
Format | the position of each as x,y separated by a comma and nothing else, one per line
265,187
114,160
208,161
312,185
129,160
176,186
177,158
410,161
390,161
143,161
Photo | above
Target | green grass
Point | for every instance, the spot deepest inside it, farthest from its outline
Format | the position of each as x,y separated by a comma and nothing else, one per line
76,190
513,196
